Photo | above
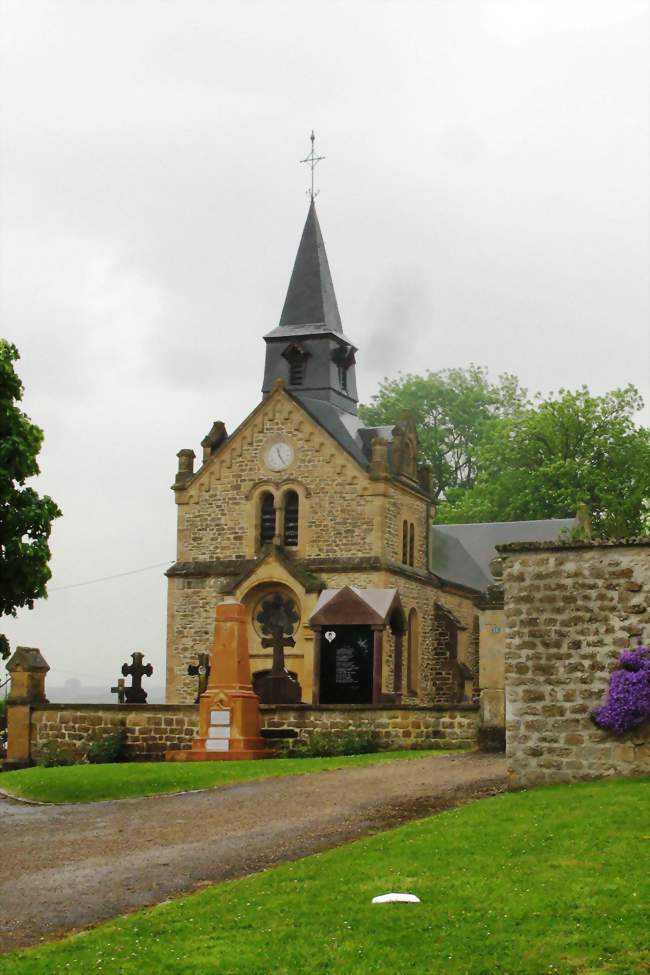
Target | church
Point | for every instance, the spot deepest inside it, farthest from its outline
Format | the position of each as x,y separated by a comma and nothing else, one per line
304,505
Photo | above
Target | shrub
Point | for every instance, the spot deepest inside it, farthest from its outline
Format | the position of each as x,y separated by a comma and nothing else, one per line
628,695
358,741
107,748
52,753
327,744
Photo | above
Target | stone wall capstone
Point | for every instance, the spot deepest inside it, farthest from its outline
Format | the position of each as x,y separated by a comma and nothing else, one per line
571,608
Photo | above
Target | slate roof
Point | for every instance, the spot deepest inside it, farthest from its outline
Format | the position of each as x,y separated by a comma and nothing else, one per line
346,428
462,554
380,601
307,331
335,422
311,299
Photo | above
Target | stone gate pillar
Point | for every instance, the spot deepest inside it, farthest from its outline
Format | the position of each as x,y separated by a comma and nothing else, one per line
28,669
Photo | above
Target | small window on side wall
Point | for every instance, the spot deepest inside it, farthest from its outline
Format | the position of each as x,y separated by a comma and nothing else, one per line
405,542
413,653
267,518
291,512
411,544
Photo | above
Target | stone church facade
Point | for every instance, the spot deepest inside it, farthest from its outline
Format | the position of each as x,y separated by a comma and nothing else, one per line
305,502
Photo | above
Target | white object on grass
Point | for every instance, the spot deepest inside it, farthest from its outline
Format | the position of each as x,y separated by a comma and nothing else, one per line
396,898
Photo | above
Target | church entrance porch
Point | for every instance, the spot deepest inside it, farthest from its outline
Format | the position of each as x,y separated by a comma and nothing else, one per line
349,626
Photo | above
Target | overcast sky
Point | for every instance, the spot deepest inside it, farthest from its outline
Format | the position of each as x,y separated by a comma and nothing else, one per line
483,199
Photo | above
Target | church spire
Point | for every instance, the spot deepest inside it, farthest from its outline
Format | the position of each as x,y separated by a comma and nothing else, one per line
310,298
308,350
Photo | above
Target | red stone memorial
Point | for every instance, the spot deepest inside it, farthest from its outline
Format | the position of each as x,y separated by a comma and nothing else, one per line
229,709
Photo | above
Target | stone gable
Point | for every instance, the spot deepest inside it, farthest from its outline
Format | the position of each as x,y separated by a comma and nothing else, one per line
217,517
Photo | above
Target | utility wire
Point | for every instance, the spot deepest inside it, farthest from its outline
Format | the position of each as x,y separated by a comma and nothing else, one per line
118,575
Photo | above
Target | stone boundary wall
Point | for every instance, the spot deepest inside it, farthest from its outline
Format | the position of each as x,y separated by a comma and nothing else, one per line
152,729
571,608
396,727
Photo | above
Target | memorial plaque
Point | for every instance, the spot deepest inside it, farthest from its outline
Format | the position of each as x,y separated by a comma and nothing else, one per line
220,717
216,745
346,665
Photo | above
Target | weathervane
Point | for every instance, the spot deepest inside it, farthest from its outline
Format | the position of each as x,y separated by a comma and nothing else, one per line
312,159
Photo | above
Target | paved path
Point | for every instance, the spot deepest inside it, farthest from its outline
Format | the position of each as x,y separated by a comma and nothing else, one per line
64,867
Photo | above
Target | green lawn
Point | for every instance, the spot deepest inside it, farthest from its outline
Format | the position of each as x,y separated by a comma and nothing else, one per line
554,881
90,783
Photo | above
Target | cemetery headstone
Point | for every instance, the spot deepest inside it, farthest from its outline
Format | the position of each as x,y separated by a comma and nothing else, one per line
278,618
136,694
202,671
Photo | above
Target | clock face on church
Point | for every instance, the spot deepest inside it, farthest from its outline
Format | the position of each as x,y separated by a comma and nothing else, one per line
278,455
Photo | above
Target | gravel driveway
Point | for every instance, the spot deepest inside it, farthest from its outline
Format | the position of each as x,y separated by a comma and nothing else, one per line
65,867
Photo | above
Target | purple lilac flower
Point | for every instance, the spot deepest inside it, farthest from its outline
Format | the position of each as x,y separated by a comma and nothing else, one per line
634,659
628,696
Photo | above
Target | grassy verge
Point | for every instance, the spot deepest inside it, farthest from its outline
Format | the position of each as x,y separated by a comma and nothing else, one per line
553,881
91,783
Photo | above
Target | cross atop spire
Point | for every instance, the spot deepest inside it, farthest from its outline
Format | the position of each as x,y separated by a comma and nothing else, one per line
313,161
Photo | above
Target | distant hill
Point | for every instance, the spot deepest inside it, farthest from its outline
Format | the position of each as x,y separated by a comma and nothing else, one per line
74,692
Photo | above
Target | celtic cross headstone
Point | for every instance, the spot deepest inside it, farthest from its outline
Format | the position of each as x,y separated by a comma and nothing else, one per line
136,694
278,618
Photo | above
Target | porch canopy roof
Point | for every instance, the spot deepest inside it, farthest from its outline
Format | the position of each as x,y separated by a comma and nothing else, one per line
354,606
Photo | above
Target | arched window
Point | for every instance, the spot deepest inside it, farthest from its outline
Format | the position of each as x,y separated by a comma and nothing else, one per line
411,544
413,653
405,542
291,504
267,518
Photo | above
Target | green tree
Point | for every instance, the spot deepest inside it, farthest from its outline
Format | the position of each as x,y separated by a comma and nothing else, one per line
453,410
25,517
567,449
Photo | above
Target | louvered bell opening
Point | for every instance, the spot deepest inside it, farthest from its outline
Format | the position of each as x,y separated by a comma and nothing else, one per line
296,370
267,524
291,519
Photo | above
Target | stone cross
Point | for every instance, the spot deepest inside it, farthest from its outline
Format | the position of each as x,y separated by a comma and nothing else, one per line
202,671
120,690
278,618
135,694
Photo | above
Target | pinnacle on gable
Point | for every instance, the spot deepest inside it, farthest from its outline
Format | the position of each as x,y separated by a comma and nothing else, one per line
310,298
